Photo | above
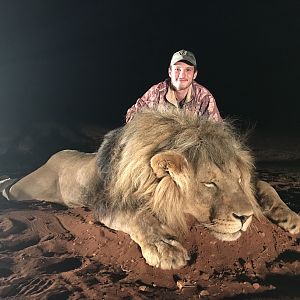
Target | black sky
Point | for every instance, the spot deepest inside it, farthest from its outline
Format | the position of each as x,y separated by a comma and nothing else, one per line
88,61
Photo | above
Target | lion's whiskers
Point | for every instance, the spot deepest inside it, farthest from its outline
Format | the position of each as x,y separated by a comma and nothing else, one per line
210,225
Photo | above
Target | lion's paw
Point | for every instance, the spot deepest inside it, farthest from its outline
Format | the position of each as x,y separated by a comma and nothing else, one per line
291,224
286,219
165,254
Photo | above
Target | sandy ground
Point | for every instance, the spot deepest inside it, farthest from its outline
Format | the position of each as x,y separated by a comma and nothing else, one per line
50,252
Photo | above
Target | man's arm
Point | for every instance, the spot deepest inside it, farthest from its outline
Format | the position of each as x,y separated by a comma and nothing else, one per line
140,103
206,104
148,100
212,109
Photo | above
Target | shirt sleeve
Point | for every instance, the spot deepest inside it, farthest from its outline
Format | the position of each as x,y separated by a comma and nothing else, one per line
206,104
212,109
148,100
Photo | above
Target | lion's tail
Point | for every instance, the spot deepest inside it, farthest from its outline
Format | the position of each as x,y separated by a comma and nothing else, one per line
5,184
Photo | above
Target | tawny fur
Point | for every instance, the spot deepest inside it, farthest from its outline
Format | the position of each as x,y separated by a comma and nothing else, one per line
198,139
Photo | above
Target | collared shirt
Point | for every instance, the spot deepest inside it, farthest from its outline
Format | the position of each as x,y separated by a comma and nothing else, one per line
171,97
198,101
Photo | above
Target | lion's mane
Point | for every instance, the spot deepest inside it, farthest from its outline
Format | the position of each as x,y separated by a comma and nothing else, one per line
129,180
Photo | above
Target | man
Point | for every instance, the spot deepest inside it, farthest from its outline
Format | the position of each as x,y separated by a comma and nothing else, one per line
179,90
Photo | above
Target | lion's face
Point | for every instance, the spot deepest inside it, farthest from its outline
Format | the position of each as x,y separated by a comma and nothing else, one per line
218,199
222,204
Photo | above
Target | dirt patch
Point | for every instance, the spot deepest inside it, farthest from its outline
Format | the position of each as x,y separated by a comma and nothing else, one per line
50,252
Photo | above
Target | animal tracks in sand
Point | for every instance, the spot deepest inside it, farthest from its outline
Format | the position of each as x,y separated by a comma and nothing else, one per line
27,255
24,229
10,226
38,258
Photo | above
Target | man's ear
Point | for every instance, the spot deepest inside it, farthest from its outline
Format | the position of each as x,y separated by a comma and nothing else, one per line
195,74
169,71
169,163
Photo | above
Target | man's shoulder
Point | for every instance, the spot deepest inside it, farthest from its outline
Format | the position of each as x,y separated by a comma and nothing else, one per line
161,86
156,92
199,88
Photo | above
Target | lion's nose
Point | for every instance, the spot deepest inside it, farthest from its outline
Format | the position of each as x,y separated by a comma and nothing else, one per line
242,218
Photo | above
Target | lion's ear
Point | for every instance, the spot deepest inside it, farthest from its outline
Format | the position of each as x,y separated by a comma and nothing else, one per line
168,163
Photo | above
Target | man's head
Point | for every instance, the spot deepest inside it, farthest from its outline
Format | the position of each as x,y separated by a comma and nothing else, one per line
185,56
183,69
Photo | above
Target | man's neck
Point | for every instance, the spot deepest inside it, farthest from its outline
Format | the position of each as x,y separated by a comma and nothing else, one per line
180,95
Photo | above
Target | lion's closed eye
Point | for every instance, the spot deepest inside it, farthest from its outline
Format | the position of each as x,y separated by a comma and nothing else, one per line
210,184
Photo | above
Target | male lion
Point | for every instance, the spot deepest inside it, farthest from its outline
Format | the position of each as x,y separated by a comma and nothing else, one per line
149,175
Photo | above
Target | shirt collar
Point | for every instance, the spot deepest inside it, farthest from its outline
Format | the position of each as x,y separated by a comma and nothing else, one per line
170,96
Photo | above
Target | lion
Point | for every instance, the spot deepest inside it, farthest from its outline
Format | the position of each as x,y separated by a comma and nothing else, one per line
150,175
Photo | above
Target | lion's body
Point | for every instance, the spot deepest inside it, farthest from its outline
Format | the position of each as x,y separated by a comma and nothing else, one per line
149,175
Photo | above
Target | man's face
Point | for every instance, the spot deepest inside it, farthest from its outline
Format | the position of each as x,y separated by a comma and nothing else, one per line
182,75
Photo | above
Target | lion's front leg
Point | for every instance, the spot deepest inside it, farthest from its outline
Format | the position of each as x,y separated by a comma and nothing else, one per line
275,209
158,243
159,248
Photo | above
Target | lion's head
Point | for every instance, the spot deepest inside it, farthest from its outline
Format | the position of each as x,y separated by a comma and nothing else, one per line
174,164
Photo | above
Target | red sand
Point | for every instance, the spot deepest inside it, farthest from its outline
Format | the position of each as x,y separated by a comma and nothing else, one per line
49,252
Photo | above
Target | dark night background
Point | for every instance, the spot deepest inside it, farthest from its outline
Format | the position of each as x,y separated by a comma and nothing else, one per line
88,61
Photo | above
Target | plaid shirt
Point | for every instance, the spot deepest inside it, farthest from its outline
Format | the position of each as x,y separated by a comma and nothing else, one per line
199,101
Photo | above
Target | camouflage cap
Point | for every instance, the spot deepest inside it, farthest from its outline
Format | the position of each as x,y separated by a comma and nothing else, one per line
184,55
